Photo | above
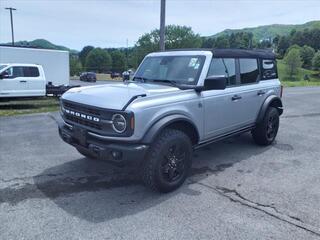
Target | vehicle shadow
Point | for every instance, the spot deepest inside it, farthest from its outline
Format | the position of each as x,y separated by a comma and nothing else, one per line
98,192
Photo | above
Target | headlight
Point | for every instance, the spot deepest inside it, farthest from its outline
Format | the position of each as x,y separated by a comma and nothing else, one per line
119,123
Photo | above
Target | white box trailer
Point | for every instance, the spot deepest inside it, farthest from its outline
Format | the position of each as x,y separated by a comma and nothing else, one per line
55,64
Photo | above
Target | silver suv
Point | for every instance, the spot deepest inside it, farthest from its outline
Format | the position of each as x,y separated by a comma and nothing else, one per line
177,102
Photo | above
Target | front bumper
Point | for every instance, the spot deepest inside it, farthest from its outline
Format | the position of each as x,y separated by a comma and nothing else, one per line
120,153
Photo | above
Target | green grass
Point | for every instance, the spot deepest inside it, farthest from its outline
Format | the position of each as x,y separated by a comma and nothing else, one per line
10,107
298,79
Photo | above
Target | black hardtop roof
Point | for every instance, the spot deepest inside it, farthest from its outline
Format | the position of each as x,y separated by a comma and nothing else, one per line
234,52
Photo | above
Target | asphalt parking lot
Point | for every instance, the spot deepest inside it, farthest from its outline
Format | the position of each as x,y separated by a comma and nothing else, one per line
83,83
236,190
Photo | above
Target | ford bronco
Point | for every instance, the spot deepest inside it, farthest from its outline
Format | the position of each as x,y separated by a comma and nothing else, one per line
177,102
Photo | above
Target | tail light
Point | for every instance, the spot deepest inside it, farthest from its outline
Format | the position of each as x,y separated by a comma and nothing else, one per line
281,91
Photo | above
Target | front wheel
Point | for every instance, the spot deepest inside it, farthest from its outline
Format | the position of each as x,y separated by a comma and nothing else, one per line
168,161
266,131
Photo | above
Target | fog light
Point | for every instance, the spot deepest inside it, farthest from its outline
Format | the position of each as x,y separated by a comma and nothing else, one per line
116,155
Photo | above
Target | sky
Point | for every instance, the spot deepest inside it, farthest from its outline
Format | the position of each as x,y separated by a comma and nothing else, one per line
110,23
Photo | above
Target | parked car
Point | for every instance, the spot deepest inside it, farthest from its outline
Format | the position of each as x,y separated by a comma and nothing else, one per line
177,102
115,75
26,80
88,77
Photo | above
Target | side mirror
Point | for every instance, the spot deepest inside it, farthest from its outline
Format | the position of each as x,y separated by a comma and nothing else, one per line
215,83
4,75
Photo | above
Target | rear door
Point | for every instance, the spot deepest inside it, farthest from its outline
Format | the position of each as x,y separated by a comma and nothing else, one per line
250,90
36,83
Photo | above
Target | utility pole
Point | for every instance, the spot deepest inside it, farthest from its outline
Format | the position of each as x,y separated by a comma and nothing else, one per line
12,35
127,62
162,25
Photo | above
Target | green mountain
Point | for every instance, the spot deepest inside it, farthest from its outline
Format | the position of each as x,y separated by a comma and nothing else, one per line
270,31
42,43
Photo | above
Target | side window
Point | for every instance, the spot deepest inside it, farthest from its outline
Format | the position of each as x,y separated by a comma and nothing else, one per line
269,69
16,72
30,72
249,71
225,67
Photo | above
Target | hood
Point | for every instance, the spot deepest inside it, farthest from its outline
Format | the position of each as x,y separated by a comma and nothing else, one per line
114,96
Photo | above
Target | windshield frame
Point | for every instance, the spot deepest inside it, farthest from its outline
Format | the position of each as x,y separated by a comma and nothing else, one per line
202,57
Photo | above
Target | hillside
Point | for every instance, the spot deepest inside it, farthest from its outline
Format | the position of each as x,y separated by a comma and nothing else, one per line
42,43
270,31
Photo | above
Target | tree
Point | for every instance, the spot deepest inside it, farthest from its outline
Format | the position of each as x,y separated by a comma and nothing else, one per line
222,42
307,54
118,61
75,65
208,42
283,45
84,53
293,61
98,60
316,61
176,37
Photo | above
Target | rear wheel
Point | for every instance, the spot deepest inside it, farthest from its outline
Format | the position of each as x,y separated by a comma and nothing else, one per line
266,131
168,162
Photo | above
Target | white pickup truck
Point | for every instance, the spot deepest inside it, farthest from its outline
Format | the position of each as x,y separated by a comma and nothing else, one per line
26,80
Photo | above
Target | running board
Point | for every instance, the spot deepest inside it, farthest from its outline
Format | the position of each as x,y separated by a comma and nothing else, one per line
222,137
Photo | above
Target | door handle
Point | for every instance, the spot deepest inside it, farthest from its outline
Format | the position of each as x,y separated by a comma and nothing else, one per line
236,97
24,81
260,93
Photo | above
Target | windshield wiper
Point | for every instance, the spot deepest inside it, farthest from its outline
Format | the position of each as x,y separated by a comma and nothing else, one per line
143,79
172,82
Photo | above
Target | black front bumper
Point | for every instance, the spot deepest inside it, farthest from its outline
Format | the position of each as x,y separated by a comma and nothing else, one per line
119,153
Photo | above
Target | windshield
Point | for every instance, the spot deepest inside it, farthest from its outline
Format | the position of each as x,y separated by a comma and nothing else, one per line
178,69
2,67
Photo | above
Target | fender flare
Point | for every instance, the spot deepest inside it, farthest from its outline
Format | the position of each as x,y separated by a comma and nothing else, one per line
159,125
273,101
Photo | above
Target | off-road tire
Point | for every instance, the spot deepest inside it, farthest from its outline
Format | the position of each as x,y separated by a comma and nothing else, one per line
261,134
152,169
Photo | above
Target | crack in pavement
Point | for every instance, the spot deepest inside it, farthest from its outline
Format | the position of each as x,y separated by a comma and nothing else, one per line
235,196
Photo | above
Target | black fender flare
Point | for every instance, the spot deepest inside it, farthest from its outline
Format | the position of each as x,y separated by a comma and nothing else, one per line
162,123
273,101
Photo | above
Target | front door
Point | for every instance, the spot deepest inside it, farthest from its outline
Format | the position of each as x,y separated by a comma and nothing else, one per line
236,106
13,83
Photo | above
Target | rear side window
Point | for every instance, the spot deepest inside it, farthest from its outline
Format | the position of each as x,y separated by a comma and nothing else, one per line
223,67
249,71
269,69
30,72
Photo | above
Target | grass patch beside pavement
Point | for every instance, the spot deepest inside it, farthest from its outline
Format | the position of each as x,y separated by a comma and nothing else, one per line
297,80
17,106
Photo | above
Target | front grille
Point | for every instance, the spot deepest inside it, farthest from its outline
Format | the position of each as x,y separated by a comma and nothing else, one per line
81,108
83,122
